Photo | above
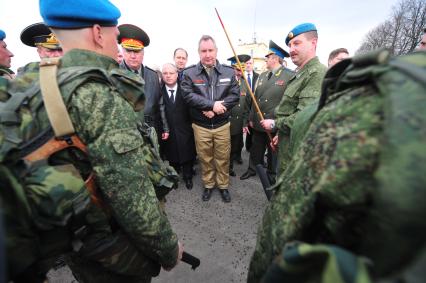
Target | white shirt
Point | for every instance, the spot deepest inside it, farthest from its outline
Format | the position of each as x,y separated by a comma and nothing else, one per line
173,88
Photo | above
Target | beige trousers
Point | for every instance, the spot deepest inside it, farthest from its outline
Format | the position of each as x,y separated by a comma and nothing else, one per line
213,150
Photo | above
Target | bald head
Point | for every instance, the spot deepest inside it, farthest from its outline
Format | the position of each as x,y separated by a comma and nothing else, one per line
99,39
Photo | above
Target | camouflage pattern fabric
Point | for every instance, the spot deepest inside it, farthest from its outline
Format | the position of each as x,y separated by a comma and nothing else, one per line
93,89
301,263
303,89
6,73
356,178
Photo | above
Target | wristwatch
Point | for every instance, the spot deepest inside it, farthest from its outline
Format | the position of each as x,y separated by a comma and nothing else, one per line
273,124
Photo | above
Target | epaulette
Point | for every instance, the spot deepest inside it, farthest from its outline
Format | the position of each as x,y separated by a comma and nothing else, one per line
152,70
189,67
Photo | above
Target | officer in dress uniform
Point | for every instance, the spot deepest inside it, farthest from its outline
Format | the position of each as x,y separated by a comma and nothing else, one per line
40,36
269,91
236,117
133,40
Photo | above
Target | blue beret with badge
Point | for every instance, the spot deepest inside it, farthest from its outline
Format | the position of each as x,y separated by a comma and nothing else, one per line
2,35
277,50
78,13
302,28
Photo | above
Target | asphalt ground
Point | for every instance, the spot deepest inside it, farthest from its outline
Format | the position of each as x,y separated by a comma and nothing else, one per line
222,235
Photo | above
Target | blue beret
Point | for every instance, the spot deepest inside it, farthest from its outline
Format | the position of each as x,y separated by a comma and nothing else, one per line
2,35
302,28
78,13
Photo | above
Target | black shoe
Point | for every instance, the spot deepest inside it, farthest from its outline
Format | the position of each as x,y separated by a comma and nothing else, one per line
226,197
207,194
239,160
188,184
232,173
247,175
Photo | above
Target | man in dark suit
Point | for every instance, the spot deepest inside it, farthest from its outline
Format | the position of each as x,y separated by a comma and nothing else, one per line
269,91
252,77
179,147
133,40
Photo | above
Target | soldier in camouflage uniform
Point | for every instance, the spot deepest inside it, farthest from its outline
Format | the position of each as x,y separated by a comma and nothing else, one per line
302,89
101,100
357,174
5,58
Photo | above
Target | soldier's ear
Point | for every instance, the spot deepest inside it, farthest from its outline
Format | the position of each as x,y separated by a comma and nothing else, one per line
97,35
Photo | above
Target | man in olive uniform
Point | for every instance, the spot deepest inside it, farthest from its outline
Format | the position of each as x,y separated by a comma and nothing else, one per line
40,36
237,112
102,101
5,58
303,88
269,91
133,41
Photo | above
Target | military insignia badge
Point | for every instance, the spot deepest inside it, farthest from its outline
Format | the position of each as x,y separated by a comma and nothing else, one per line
290,35
280,82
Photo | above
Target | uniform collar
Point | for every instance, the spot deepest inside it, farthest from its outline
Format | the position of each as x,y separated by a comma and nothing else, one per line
86,58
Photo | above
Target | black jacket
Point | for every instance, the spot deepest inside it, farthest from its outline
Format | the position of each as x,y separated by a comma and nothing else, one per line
201,91
153,111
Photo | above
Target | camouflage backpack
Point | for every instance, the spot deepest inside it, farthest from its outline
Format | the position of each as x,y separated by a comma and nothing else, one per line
46,200
357,174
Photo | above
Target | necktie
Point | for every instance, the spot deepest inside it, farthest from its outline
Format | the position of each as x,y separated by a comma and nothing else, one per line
136,72
172,97
249,80
269,75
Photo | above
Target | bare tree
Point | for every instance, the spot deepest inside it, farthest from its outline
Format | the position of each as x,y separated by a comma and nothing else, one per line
402,32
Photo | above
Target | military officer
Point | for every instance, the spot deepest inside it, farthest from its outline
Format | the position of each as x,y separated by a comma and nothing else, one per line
269,91
133,41
237,112
5,58
303,88
40,36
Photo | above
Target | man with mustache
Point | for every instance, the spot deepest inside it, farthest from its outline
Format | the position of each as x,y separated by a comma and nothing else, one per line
5,58
302,90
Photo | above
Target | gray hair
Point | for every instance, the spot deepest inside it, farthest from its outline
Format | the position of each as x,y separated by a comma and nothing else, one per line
206,38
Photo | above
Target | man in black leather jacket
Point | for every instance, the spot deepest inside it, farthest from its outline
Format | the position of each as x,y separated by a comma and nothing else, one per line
211,90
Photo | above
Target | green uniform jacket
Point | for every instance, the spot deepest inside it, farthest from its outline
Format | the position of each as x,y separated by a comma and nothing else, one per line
6,73
268,94
107,124
304,88
238,111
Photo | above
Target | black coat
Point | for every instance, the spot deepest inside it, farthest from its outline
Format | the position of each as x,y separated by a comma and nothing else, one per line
153,109
180,146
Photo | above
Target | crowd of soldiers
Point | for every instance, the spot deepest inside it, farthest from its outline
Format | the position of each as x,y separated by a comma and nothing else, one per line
84,131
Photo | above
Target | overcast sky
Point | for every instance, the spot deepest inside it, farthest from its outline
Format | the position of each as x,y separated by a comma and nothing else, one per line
172,24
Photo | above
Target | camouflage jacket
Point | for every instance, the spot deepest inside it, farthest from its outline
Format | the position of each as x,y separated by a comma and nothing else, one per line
358,172
302,90
6,73
108,125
